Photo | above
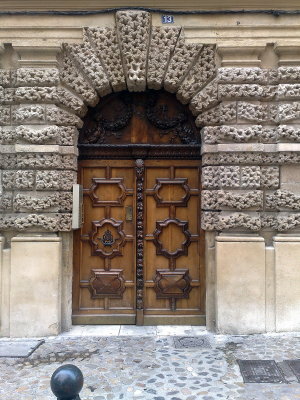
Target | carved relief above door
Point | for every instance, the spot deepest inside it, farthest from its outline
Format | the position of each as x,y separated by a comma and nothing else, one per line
138,257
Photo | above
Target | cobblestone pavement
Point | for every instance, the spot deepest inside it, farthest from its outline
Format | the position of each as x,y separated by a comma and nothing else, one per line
144,364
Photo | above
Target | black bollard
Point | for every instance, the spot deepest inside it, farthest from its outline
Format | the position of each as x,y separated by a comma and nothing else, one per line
66,382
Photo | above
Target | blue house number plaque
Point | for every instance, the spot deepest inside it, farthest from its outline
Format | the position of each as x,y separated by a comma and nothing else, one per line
167,19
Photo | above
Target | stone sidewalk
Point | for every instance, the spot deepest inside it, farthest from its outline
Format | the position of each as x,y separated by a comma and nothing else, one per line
143,363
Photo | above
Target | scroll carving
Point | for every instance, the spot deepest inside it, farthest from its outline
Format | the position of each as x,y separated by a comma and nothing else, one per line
178,127
108,122
98,127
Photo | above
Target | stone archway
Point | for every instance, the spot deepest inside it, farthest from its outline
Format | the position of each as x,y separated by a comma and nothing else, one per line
136,56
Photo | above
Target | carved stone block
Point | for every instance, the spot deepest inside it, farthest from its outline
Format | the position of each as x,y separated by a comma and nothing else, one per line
243,75
50,222
229,176
68,161
84,55
288,133
219,134
199,75
28,114
36,135
220,222
246,91
223,176
163,40
5,201
4,115
287,222
32,94
106,44
205,99
58,116
61,201
254,158
254,133
270,177
67,135
285,111
73,79
285,74
182,59
288,91
69,100
36,160
54,180
134,30
250,177
210,177
8,95
252,112
36,77
220,114
18,179
220,199
5,78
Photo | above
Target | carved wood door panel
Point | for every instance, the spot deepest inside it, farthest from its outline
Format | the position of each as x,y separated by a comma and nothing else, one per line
104,275
139,255
174,274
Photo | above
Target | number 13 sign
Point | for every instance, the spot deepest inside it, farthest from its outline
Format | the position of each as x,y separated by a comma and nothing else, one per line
167,19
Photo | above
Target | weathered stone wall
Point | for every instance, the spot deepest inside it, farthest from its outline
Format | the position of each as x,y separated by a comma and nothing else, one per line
247,140
38,156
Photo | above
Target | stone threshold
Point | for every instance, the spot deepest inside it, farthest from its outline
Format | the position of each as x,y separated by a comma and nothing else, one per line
133,330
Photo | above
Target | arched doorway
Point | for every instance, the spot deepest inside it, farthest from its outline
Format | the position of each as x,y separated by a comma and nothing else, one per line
139,256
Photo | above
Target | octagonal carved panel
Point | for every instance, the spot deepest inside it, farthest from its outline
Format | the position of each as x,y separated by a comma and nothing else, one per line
107,238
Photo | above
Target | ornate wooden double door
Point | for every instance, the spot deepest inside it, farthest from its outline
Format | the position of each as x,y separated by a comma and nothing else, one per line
139,255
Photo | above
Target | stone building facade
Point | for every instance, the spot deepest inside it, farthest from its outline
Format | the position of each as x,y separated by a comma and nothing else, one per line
240,76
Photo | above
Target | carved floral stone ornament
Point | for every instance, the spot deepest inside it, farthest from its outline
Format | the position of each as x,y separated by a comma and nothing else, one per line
248,117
